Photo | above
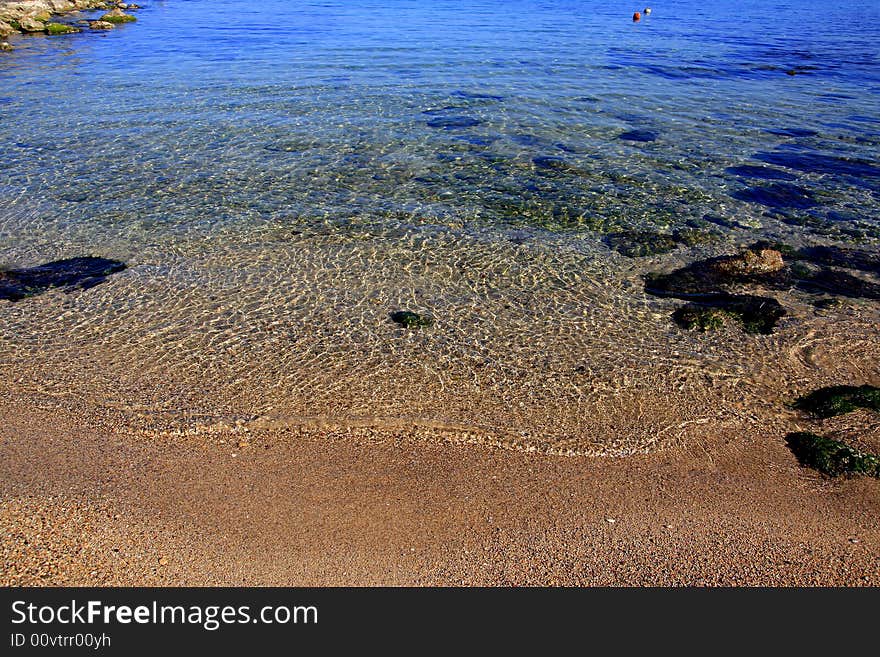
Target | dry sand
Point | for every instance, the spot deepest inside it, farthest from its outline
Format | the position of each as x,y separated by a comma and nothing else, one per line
83,505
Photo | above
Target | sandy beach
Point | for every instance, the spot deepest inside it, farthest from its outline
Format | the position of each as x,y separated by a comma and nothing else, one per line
95,506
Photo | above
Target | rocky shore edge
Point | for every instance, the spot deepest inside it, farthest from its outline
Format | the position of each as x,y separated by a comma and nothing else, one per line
36,17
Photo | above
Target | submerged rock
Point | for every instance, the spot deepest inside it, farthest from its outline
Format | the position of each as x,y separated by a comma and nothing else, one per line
638,135
837,400
715,275
411,320
755,314
638,244
837,257
453,122
778,195
831,457
711,287
763,173
818,163
771,266
816,270
552,164
71,274
830,281
751,262
5,46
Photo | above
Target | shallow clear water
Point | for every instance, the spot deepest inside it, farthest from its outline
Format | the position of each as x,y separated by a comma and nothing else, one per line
280,176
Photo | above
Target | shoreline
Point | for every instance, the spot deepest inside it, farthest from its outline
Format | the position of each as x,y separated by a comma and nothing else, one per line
91,507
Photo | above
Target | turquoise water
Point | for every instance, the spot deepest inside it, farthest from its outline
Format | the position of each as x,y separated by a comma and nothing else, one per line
280,176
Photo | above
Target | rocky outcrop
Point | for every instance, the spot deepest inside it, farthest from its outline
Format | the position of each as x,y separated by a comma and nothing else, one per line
35,16
31,24
118,16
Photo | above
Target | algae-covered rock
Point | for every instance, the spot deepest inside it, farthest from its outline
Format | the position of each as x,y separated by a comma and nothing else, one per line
641,243
756,314
6,29
837,400
703,318
711,287
638,244
117,16
831,457
54,29
695,236
411,320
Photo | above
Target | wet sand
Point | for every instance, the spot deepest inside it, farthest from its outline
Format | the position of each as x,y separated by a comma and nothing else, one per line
85,502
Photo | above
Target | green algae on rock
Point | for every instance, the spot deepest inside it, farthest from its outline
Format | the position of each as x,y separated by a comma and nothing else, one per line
837,400
756,314
831,457
704,318
638,244
117,16
54,29
641,243
411,320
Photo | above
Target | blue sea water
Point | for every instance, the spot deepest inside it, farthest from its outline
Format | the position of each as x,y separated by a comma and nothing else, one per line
319,164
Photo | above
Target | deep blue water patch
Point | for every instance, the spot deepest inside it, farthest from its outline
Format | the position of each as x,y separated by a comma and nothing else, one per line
792,132
478,140
638,135
818,163
778,195
473,95
763,173
453,122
